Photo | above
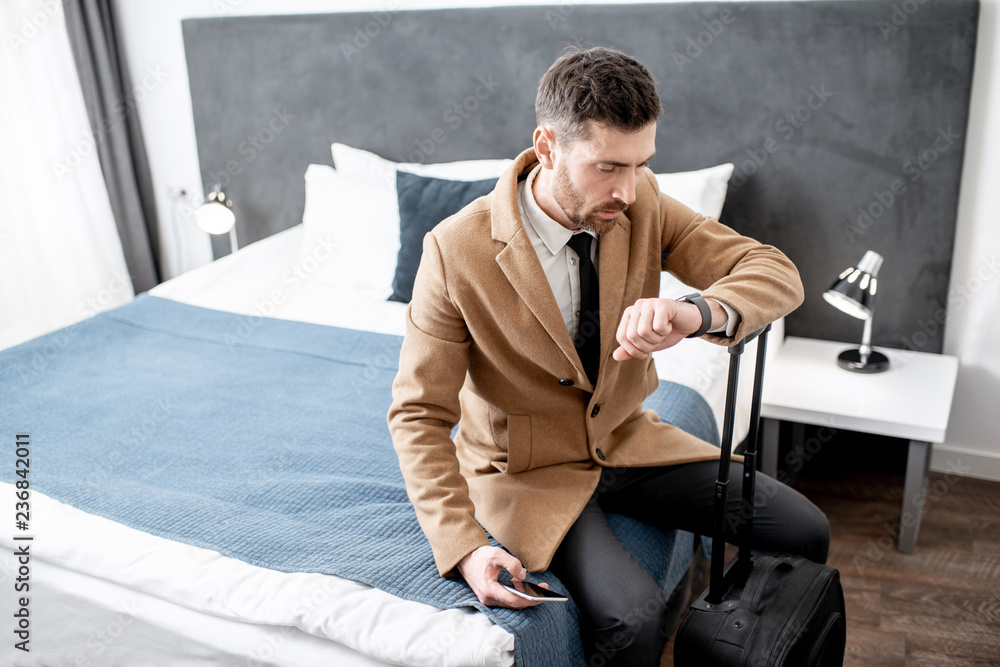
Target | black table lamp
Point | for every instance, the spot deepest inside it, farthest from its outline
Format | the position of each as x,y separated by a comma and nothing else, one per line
854,293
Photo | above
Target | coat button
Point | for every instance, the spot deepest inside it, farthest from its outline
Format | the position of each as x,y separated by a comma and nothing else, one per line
566,382
600,454
597,408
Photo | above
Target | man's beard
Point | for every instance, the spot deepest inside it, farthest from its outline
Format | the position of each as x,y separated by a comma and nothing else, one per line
572,204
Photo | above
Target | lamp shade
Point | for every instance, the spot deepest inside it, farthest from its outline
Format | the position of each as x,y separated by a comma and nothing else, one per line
854,290
215,218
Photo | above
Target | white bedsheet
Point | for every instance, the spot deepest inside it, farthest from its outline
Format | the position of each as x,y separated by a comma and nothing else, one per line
162,595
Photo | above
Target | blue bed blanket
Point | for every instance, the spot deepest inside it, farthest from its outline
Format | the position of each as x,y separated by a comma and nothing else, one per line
265,440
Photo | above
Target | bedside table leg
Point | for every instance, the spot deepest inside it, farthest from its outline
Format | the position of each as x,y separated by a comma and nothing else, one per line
914,493
769,447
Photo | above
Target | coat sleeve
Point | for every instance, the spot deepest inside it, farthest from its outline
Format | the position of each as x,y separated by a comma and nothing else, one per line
433,363
758,281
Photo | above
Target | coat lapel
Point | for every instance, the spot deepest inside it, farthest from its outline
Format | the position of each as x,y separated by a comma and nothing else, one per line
520,265
612,273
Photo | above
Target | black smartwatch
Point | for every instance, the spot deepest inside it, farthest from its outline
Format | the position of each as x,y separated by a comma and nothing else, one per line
706,313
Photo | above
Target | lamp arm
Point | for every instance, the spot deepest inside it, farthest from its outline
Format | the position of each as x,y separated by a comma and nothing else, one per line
866,340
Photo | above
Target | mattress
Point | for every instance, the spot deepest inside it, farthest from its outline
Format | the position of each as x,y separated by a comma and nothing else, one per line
138,594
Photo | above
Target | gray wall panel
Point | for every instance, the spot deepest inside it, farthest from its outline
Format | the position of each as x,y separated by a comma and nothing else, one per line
893,108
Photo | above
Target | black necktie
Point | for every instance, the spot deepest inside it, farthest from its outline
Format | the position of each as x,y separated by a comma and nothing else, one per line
588,335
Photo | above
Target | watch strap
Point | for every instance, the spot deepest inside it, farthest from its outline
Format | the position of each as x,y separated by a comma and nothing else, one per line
706,313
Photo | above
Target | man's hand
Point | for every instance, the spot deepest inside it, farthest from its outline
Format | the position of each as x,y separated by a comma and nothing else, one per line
481,569
656,324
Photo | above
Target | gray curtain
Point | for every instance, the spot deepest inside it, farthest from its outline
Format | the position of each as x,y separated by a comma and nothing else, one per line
111,106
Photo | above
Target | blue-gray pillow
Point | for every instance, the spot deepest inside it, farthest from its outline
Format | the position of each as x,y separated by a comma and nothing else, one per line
424,202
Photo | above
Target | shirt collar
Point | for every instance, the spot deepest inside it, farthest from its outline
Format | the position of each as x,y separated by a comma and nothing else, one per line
552,234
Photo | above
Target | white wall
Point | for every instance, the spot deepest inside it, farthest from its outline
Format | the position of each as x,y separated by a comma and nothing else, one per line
155,49
974,307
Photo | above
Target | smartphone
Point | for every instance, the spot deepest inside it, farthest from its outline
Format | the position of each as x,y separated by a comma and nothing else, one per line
534,592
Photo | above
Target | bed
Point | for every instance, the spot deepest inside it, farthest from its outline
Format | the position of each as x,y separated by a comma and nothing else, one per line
312,288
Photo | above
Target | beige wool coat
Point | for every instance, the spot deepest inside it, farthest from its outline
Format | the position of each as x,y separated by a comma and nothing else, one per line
486,347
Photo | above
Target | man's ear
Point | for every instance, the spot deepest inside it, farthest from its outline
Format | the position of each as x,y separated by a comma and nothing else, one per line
544,141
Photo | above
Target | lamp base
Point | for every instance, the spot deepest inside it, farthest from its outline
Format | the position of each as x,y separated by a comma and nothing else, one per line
851,360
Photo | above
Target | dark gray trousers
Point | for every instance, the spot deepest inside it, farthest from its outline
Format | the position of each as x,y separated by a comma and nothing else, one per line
622,608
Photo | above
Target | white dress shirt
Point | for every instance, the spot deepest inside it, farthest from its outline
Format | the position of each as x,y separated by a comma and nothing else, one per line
559,262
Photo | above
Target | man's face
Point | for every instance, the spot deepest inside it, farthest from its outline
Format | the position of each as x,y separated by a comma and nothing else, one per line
594,179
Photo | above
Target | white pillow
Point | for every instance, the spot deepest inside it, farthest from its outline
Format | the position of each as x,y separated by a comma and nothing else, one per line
703,190
369,168
354,208
366,184
352,227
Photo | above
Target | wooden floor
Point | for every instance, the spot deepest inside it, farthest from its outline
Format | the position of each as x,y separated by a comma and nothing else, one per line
938,607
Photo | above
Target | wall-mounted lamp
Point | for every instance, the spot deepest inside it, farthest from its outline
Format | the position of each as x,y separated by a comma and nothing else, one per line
216,216
854,293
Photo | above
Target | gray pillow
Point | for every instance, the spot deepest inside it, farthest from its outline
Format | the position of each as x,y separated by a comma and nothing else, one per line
423,203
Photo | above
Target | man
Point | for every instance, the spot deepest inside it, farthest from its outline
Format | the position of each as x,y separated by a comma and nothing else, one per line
504,331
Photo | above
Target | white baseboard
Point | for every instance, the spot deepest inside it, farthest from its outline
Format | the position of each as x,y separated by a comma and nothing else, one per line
966,462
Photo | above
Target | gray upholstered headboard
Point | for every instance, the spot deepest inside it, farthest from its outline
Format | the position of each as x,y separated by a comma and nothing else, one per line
846,120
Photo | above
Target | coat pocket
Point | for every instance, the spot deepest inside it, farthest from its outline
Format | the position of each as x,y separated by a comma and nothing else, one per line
518,443
513,436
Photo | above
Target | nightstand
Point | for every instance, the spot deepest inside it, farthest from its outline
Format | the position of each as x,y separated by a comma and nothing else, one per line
912,400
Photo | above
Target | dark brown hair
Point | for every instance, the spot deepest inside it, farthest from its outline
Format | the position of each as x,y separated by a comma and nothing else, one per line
597,84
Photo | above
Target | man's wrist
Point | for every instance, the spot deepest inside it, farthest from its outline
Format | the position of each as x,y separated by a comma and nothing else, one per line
725,319
720,315
705,311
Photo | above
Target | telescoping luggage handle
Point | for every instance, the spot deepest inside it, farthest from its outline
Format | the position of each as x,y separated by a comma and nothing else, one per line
745,524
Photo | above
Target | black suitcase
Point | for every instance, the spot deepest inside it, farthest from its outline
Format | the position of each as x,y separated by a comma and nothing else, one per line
764,609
